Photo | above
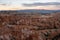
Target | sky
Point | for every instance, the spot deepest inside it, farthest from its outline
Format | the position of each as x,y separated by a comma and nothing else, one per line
29,4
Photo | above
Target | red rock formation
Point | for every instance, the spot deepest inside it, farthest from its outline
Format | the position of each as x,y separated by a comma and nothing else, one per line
29,27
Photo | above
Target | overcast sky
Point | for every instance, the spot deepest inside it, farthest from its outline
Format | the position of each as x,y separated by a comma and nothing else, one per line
18,4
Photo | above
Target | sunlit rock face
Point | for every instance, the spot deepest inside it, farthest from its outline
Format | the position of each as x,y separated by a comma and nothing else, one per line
29,26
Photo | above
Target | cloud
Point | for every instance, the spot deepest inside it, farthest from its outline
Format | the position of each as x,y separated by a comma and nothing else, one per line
3,4
41,4
49,6
52,7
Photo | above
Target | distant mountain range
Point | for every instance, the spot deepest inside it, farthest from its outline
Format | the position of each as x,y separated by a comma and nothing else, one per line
40,11
35,10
